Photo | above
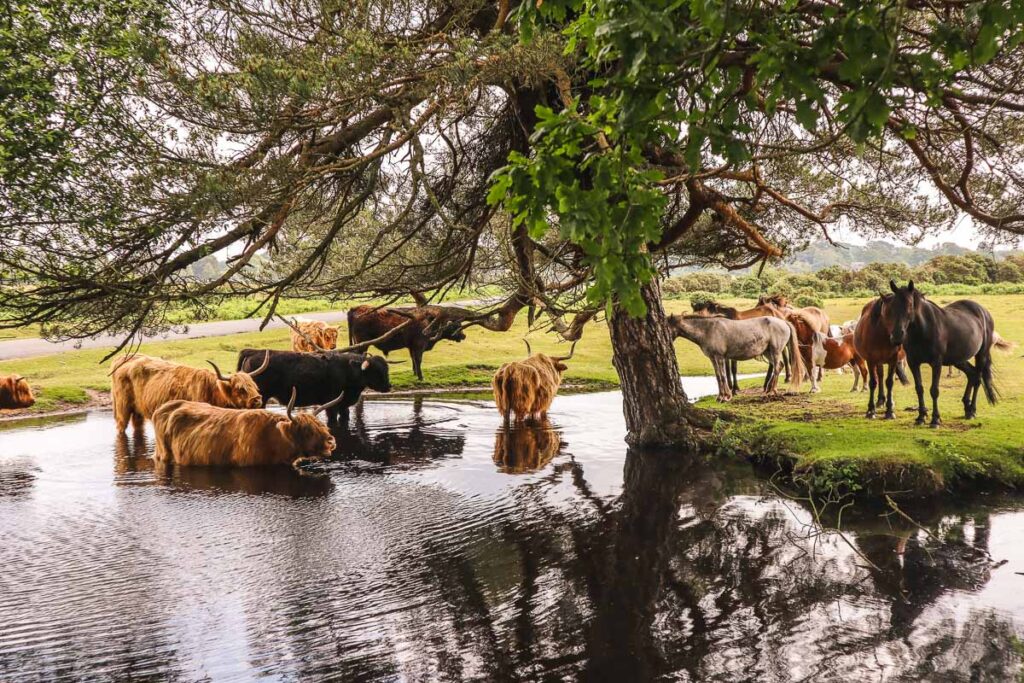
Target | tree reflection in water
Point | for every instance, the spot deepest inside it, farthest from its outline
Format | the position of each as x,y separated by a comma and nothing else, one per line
682,579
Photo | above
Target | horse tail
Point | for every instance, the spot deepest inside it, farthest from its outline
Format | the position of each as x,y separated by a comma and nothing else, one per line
991,392
796,359
1002,344
901,372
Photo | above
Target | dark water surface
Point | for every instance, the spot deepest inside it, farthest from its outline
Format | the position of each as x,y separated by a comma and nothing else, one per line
439,547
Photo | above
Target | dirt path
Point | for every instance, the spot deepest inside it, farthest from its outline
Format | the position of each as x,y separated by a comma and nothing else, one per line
26,348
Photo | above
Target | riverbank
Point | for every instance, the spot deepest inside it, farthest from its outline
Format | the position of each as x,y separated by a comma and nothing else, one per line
824,442
821,441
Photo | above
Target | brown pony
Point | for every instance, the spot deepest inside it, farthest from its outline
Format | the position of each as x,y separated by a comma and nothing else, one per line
840,353
817,316
871,341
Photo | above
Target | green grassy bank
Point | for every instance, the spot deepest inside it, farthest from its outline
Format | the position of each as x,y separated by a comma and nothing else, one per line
824,439
825,442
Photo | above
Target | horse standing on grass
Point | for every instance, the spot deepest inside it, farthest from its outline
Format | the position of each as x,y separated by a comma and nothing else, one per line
712,308
872,343
937,336
723,340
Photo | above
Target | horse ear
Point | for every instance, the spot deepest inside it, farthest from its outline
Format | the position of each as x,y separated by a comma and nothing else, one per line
910,286
893,287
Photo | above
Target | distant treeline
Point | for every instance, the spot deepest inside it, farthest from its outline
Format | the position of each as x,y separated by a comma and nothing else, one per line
971,273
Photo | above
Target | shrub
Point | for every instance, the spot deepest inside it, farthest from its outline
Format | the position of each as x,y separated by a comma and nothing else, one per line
807,299
696,282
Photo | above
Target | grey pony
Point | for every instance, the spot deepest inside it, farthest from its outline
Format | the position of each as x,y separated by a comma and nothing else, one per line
722,339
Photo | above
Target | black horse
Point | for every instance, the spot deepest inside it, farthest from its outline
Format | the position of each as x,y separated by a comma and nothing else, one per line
938,336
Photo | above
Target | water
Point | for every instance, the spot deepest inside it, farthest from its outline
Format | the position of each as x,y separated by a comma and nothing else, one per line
439,547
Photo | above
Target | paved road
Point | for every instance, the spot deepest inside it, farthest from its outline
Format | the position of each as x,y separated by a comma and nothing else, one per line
25,348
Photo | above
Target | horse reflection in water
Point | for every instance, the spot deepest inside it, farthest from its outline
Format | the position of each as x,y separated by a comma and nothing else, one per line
132,458
526,447
418,441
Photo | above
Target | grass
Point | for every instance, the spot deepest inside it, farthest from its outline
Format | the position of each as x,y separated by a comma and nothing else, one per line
824,437
242,307
830,443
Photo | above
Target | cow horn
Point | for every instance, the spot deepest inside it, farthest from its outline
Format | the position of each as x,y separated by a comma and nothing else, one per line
291,403
572,350
329,405
529,351
220,376
266,362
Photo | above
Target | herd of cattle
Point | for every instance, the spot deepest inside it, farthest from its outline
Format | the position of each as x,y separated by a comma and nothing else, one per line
203,417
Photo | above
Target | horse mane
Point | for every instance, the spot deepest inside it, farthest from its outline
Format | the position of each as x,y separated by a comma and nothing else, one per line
876,308
698,316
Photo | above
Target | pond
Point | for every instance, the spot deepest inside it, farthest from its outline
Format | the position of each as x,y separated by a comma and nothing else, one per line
438,546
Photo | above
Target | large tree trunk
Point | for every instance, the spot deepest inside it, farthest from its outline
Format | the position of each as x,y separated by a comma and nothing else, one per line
653,399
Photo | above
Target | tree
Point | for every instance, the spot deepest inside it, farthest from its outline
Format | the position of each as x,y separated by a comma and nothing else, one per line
570,150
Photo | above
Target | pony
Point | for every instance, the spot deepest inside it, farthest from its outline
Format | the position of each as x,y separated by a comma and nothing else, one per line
872,343
817,316
713,308
812,347
936,335
840,352
722,340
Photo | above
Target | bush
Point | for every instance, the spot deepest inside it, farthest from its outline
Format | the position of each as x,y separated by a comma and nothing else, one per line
802,300
696,282
700,298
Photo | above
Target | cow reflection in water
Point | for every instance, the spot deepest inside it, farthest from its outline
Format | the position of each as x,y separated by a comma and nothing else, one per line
418,441
523,447
134,465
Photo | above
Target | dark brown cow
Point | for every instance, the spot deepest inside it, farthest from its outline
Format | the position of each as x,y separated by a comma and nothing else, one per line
15,393
427,326
198,434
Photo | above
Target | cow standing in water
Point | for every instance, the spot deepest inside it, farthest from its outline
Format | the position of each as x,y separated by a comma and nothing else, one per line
318,377
527,387
15,393
198,434
424,326
141,384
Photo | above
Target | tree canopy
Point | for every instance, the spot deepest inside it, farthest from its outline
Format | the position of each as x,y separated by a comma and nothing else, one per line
568,149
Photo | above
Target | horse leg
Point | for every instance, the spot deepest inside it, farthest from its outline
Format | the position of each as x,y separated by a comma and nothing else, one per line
717,363
872,383
785,363
768,376
735,380
922,412
936,377
888,392
726,385
881,384
971,390
856,376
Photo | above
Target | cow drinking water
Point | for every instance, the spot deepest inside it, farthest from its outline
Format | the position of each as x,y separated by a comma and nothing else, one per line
198,434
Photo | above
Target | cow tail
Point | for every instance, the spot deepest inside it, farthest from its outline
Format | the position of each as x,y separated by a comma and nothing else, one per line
796,360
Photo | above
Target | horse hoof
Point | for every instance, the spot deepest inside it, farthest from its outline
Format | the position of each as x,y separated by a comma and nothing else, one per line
919,421
870,416
935,425
889,416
